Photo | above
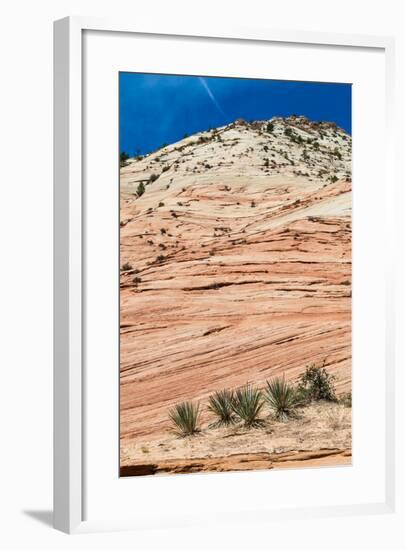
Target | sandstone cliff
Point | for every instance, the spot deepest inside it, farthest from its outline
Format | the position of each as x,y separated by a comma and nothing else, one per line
235,264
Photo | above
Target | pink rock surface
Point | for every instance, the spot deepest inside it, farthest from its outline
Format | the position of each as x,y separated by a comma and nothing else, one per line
235,266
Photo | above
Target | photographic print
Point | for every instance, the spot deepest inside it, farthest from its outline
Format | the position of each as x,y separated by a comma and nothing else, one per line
235,274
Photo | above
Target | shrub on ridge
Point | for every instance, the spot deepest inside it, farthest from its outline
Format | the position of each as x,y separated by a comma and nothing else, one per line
316,384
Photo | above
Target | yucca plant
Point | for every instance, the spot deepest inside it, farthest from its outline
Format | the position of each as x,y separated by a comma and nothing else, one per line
247,404
220,403
282,398
185,418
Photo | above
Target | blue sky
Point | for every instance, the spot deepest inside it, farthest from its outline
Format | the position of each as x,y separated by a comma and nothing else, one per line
157,109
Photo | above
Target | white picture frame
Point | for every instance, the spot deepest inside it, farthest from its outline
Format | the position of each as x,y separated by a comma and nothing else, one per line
69,215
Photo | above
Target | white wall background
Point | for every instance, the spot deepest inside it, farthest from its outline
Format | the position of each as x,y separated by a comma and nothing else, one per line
26,254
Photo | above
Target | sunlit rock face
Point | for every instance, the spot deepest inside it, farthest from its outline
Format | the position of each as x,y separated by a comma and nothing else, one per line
235,261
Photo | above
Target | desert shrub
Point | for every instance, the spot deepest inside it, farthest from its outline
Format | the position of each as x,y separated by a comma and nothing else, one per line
220,403
160,259
153,177
123,159
266,163
282,398
346,399
136,281
247,404
140,189
126,267
161,204
336,417
165,168
270,127
333,179
316,384
253,204
305,155
184,417
163,231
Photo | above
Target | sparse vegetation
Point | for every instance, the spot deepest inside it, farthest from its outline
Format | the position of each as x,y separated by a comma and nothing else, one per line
316,384
160,259
220,403
153,177
137,281
185,417
140,189
336,417
126,267
123,159
282,398
247,405
346,400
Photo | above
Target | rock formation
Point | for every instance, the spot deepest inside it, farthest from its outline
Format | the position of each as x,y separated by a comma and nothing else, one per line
235,253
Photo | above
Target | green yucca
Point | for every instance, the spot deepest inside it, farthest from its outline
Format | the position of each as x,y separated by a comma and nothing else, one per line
281,398
185,418
247,404
220,403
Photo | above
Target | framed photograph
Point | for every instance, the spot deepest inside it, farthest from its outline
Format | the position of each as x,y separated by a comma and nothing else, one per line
218,303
